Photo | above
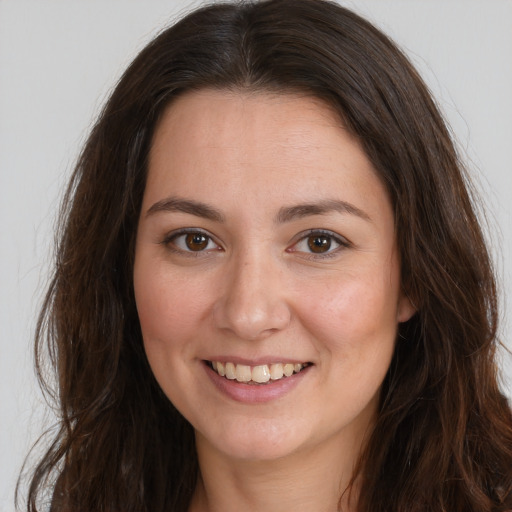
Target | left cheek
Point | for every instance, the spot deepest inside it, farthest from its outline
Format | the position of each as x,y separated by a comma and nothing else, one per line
357,313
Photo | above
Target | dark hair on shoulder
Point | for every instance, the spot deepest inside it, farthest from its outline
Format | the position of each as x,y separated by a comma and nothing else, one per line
443,437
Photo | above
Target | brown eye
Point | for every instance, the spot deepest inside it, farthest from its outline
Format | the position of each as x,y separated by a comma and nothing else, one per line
319,243
191,241
196,241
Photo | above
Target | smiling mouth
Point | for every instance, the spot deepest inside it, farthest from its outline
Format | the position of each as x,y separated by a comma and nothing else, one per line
260,374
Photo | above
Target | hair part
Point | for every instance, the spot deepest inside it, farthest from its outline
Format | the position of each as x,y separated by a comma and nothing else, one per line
443,438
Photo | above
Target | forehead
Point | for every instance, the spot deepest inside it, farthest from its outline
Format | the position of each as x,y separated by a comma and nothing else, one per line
256,144
251,123
204,117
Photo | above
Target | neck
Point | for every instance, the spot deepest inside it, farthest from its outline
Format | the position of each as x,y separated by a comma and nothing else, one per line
301,482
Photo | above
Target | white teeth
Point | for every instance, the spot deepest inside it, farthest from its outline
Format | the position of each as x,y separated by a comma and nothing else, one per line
243,373
220,369
260,374
230,371
276,371
288,369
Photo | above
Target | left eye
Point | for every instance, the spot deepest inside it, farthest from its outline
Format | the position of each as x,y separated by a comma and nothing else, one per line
319,243
192,241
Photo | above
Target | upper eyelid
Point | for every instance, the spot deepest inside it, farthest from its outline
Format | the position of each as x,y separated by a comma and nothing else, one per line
184,231
326,232
343,241
167,239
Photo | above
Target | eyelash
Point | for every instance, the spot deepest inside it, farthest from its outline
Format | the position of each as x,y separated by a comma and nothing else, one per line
170,242
342,243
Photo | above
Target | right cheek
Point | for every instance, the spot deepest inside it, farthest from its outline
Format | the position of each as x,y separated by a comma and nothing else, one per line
153,295
151,307
173,303
158,317
165,313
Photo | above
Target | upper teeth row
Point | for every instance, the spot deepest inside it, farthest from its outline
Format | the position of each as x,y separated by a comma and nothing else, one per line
260,374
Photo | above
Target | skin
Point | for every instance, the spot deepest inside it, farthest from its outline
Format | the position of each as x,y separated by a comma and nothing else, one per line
256,292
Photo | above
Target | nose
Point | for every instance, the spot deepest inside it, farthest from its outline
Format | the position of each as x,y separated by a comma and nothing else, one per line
253,304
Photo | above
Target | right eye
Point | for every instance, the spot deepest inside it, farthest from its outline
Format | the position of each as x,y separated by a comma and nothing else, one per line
191,241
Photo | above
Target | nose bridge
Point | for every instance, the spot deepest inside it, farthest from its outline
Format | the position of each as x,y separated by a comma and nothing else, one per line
253,304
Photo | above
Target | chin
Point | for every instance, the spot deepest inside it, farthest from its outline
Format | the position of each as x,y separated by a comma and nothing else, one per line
263,441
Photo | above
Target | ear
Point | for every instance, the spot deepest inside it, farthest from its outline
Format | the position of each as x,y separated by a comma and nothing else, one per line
405,309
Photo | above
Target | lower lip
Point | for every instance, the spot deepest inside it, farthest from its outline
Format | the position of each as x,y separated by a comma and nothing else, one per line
255,393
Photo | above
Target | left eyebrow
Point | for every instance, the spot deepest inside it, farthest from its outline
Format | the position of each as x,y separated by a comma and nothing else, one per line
289,213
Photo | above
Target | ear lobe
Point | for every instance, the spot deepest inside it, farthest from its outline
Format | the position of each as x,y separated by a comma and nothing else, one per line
405,309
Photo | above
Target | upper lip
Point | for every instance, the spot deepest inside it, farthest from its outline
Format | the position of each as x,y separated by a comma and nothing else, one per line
257,361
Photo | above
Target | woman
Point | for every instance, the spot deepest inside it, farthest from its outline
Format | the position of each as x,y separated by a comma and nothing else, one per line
271,289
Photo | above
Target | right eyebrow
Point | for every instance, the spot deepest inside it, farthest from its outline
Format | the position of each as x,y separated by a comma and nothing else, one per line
177,204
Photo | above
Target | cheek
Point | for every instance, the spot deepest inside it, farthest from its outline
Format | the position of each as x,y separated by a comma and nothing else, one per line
168,314
167,308
353,314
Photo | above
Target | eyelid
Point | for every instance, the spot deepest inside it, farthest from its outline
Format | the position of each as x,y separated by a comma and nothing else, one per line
169,237
342,242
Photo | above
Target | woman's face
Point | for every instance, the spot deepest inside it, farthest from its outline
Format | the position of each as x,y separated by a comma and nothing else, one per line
266,274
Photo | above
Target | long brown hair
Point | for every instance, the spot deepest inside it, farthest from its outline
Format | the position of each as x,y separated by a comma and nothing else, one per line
443,437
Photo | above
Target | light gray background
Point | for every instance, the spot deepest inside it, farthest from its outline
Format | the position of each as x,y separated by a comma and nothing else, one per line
60,58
